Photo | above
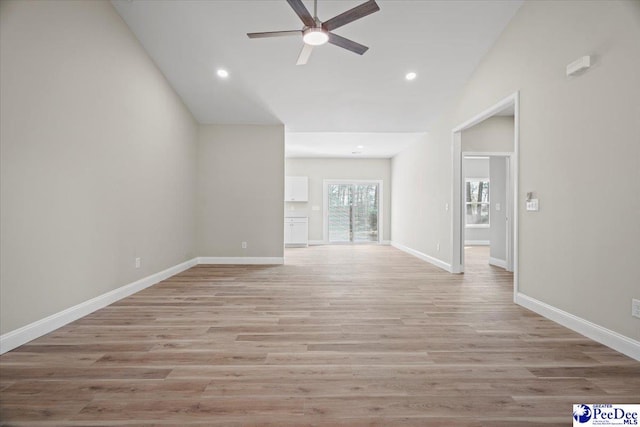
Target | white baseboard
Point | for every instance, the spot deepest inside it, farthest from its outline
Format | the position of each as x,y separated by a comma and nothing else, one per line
322,242
477,243
498,262
422,256
240,260
614,340
41,327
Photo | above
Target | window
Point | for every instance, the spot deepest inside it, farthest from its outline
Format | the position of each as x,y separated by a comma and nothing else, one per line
477,202
352,212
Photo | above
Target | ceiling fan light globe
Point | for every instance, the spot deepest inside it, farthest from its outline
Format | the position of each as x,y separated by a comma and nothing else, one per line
315,37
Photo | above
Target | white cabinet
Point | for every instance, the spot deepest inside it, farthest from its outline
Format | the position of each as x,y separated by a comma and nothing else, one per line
296,231
296,189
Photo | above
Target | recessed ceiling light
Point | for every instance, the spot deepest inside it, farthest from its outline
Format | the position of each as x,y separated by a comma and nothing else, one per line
360,146
222,73
411,76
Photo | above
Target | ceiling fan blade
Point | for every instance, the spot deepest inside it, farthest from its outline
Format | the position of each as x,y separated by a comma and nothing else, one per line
351,15
305,53
274,34
300,10
347,44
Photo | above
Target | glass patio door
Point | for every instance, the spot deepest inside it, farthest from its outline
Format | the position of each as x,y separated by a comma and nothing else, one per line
353,212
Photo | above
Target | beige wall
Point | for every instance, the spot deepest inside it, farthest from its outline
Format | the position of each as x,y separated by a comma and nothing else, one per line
579,151
493,134
420,184
320,169
240,191
97,159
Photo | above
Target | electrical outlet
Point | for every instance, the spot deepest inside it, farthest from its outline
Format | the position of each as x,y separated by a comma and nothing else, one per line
244,245
138,262
635,307
438,246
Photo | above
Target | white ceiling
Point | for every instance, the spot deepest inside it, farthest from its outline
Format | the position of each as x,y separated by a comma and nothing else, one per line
337,91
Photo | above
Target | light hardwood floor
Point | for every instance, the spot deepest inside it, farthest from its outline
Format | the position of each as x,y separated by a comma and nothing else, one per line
340,335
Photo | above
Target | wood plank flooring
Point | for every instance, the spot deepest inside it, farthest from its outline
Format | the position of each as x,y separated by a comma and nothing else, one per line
340,335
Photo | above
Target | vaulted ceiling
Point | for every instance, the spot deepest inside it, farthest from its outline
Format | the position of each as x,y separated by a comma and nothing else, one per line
337,91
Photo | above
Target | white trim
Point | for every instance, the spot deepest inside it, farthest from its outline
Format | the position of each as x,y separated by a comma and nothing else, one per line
325,204
611,339
477,243
41,327
508,203
422,256
317,242
498,262
489,112
489,154
322,242
511,203
457,220
241,260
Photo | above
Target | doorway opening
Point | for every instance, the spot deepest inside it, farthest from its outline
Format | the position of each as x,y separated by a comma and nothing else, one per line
487,207
352,211
480,210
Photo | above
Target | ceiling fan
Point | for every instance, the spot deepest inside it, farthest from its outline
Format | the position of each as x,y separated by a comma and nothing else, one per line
316,33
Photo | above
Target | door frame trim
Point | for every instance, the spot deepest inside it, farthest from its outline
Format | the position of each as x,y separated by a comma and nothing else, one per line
325,205
456,198
509,156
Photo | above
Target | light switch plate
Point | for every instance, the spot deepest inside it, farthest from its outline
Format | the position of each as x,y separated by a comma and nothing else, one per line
498,207
532,205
